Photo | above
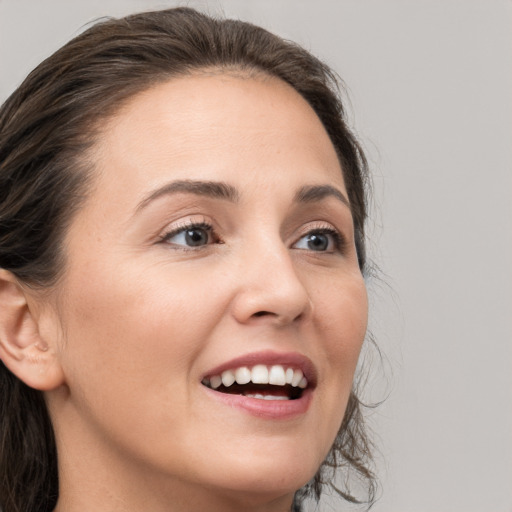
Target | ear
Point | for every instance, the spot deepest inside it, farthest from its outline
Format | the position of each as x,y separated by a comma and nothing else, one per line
23,351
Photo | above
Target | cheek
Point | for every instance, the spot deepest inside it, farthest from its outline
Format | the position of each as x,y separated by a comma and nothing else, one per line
341,311
134,326
129,351
342,316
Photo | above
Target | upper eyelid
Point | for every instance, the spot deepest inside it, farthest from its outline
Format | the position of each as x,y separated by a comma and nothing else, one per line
342,237
204,221
175,229
320,225
339,238
184,223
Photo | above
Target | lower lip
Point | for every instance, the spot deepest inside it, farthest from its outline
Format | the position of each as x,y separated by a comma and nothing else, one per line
267,409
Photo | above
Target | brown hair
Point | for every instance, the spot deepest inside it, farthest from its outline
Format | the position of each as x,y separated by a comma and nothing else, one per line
46,127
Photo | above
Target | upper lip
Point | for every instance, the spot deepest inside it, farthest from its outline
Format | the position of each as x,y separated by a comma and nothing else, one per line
269,358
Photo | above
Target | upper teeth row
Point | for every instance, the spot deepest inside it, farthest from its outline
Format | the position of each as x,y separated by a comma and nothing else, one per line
259,374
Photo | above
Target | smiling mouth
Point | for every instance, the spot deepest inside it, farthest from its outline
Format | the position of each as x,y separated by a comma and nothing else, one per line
262,382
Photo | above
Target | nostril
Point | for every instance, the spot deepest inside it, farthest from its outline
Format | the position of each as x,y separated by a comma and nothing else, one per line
262,313
281,319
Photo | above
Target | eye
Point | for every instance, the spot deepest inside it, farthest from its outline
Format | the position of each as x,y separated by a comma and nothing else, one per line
192,235
320,240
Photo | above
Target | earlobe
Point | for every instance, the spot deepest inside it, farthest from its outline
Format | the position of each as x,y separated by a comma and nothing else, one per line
22,349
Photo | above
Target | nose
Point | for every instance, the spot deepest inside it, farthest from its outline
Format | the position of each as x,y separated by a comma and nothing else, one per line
269,289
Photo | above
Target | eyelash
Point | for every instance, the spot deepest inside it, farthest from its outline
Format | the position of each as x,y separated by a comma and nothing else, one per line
189,226
338,239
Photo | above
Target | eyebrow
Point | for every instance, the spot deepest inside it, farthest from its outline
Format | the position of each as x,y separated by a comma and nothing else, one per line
214,189
313,193
221,190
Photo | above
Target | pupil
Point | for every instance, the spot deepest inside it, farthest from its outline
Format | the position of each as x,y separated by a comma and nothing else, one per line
195,237
318,242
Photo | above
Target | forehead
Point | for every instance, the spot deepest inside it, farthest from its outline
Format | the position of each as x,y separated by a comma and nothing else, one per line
214,124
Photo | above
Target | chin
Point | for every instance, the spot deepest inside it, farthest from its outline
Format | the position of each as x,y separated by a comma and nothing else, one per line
258,490
266,478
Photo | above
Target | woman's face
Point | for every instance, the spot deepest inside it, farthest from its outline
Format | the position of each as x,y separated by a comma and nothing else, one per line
216,243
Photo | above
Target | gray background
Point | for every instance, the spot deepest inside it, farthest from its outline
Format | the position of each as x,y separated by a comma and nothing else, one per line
430,84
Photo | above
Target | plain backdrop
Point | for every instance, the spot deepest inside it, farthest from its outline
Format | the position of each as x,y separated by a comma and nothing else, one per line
430,87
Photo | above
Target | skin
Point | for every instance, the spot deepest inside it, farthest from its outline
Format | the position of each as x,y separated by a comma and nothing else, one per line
137,319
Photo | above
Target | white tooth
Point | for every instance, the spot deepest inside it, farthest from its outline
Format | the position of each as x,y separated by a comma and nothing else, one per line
215,381
206,381
303,383
266,397
289,375
259,374
276,375
243,375
228,377
297,377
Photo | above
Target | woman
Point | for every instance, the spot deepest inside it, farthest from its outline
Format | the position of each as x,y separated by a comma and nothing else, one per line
181,287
